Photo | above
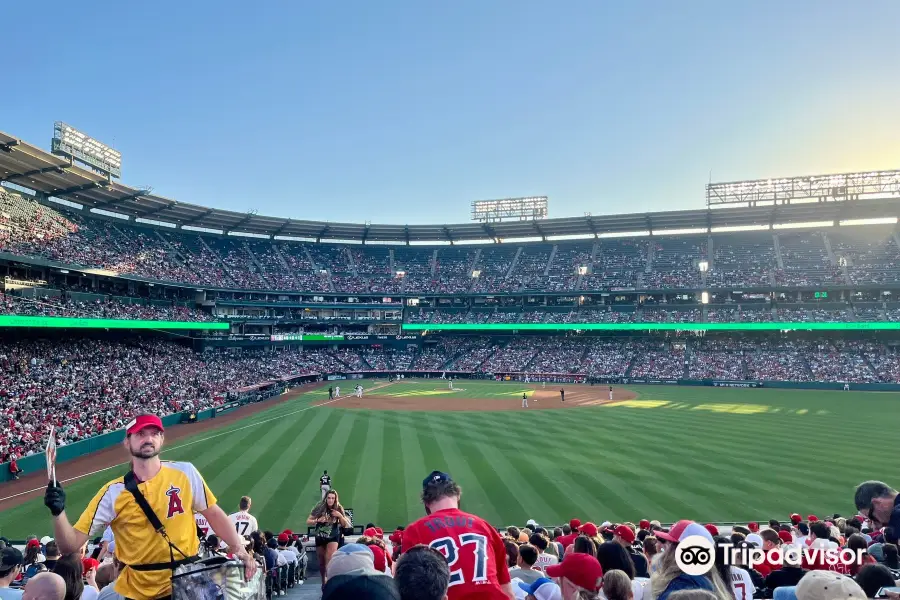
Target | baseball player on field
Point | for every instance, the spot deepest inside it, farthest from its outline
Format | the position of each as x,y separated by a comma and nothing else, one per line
359,391
450,385
337,391
325,483
610,392
524,399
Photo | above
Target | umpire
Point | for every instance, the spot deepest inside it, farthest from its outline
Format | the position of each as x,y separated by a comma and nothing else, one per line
173,491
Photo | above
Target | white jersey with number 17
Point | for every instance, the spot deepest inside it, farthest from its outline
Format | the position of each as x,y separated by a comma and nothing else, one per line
243,522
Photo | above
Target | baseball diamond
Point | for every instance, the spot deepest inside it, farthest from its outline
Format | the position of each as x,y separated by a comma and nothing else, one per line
687,440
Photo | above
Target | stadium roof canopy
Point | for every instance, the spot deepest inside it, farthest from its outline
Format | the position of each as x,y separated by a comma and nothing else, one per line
30,167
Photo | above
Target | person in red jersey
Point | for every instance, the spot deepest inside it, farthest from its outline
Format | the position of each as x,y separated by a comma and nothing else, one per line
474,550
569,537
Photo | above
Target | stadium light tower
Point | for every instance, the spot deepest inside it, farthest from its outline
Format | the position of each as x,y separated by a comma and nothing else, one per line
816,188
518,209
75,145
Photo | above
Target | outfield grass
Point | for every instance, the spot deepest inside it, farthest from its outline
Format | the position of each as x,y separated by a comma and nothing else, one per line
675,452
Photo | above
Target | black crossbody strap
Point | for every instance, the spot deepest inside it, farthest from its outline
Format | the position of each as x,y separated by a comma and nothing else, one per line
132,486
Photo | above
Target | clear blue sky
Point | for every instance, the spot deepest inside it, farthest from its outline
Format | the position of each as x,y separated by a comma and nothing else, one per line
406,111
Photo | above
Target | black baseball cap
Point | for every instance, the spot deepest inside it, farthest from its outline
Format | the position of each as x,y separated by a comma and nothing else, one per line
9,558
435,477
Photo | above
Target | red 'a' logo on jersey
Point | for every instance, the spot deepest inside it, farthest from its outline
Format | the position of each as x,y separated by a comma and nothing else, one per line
175,507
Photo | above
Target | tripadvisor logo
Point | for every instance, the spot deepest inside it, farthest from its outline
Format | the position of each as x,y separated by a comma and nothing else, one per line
695,555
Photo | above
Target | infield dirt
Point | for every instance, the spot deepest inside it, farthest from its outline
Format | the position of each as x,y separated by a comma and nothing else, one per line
541,399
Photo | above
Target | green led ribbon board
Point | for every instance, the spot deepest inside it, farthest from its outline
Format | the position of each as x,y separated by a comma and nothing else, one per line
78,323
774,326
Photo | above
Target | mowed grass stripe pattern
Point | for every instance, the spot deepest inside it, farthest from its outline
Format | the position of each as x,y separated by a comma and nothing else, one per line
678,452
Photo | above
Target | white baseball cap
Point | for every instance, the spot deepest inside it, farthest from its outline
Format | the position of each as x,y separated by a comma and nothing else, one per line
755,538
828,585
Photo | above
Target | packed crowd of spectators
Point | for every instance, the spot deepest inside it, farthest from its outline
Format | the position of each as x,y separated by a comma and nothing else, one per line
715,365
750,313
437,356
871,257
512,357
798,558
742,260
815,315
63,306
665,363
739,260
86,387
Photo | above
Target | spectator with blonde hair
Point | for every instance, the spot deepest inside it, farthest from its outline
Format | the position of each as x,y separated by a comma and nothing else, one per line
670,578
617,585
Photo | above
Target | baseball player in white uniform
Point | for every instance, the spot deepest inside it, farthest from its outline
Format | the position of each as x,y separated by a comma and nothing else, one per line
243,521
450,385
524,399
337,391
610,392
359,391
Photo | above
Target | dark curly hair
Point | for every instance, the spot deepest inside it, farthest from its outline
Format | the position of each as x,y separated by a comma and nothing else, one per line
440,489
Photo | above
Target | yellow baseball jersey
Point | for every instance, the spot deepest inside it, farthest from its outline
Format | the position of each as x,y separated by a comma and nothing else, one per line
174,494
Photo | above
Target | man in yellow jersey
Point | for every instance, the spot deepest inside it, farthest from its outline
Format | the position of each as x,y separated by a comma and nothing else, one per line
173,490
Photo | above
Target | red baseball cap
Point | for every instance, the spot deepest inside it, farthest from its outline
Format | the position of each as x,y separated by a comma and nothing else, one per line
644,524
795,518
812,518
89,563
786,537
753,526
379,558
370,532
581,569
681,530
284,538
33,544
712,529
575,524
288,531
624,532
589,529
396,537
142,421
379,531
